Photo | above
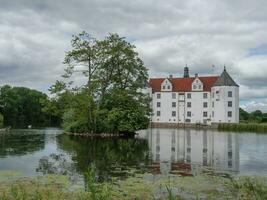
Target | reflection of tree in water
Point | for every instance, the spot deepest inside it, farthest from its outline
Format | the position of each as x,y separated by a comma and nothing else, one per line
21,142
58,164
112,156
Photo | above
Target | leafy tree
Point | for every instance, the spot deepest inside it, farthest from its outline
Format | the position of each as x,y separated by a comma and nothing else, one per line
22,106
109,101
255,116
244,115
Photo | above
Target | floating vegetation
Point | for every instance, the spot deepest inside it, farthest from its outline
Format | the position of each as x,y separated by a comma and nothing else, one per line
146,186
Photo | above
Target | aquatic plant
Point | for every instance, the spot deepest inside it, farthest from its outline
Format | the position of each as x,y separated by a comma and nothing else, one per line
250,188
253,127
97,191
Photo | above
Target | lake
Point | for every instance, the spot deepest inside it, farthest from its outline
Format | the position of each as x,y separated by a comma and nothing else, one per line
184,152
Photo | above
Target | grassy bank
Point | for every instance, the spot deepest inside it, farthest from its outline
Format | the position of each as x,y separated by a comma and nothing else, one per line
251,127
146,186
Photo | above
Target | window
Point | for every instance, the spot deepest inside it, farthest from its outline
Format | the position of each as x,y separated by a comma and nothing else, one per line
188,150
188,104
205,95
189,95
174,95
217,92
194,87
230,93
230,104
205,104
188,114
212,94
158,104
173,104
158,96
199,87
205,114
158,113
173,113
212,113
188,120
213,104
229,113
169,87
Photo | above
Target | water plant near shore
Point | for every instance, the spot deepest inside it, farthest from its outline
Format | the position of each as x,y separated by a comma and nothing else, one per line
253,127
146,186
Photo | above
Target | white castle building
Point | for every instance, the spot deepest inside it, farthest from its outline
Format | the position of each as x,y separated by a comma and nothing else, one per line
209,99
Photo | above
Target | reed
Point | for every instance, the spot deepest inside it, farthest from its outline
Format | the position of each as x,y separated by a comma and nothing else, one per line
243,127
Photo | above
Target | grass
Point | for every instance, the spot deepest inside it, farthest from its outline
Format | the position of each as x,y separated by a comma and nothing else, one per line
244,127
146,186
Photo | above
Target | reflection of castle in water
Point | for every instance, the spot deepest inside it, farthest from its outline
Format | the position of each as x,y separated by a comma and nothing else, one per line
184,148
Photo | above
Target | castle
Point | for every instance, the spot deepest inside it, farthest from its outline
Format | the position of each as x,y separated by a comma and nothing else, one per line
198,99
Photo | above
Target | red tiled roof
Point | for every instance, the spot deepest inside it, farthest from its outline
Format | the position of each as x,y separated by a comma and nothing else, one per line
183,84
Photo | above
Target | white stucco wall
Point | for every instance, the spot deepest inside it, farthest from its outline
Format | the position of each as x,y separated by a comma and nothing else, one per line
221,100
218,113
165,107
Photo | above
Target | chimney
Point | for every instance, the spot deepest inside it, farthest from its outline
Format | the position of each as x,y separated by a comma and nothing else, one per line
170,76
186,72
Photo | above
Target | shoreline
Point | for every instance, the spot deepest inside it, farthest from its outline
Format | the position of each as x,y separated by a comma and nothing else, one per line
234,127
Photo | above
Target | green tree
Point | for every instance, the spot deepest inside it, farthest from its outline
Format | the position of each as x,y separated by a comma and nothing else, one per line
243,115
22,106
110,100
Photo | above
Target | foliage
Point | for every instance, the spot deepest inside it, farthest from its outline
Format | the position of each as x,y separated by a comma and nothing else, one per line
248,188
256,116
252,127
22,106
54,187
97,191
1,120
109,100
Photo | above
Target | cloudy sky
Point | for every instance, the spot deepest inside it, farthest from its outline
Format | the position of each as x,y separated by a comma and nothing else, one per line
34,34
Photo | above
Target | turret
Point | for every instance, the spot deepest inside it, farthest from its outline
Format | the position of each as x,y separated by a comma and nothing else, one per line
186,72
225,99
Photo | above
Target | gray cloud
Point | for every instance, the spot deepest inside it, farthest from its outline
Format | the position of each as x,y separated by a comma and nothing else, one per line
34,34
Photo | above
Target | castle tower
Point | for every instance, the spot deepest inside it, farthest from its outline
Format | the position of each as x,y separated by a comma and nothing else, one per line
225,100
186,72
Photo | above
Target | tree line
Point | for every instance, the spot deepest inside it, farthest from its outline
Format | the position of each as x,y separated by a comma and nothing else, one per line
256,116
21,107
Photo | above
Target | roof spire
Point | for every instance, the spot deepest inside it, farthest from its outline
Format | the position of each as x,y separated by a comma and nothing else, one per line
224,68
225,79
186,72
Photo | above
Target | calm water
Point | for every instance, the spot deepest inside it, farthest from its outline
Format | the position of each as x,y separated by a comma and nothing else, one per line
159,151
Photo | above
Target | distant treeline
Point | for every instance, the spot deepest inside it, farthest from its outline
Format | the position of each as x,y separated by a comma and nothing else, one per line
253,117
21,107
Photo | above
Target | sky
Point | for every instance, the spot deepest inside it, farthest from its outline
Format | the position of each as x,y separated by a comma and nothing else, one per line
168,34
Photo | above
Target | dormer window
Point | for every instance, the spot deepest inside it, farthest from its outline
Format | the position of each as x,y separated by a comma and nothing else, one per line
166,85
197,85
